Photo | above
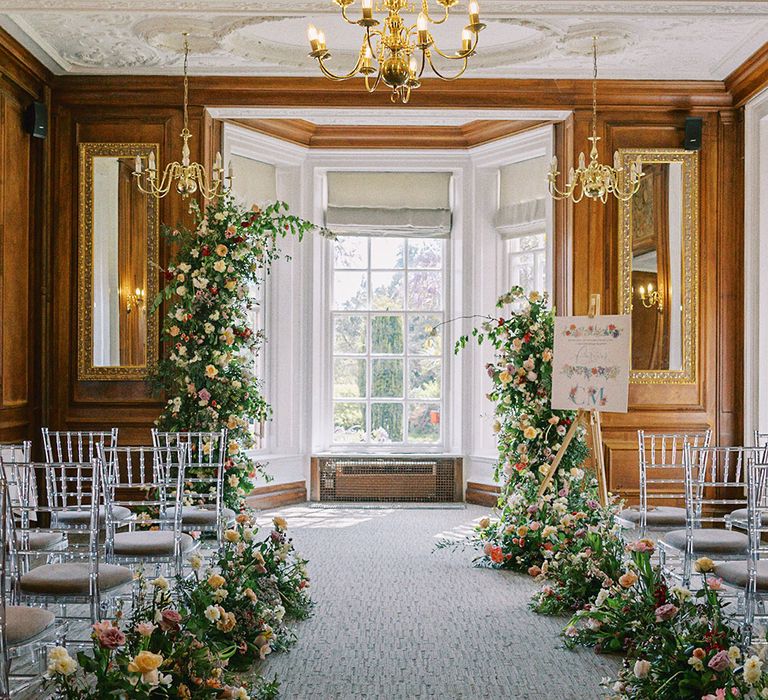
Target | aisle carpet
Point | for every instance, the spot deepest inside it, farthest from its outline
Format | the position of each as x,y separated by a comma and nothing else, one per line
396,620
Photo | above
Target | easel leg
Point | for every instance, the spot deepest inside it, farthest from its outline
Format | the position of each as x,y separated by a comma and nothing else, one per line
599,457
561,453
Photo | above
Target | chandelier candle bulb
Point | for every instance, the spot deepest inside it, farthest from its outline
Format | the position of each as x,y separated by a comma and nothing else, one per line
137,166
367,10
474,13
422,25
466,40
151,164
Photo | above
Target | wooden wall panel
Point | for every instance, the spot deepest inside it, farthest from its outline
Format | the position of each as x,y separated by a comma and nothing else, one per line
23,163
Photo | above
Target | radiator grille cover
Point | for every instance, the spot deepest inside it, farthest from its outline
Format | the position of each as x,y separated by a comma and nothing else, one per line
414,479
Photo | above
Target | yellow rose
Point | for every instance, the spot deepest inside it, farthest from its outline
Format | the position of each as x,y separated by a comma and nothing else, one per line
628,579
522,531
704,565
144,662
215,581
280,523
484,523
221,250
530,432
230,284
505,377
231,535
174,331
233,448
211,371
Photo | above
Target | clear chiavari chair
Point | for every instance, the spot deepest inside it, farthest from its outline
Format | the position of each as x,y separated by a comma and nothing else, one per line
662,480
714,485
80,446
25,631
73,575
750,577
148,481
738,517
203,506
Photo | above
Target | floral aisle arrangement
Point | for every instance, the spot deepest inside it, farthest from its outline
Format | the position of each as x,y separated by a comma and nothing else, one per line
677,643
202,639
244,598
207,373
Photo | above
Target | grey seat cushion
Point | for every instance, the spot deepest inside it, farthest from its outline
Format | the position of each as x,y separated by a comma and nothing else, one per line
82,517
149,543
739,514
24,623
735,573
656,516
39,541
710,541
72,578
202,515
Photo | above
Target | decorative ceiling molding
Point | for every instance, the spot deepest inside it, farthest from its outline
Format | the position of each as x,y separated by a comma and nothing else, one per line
679,40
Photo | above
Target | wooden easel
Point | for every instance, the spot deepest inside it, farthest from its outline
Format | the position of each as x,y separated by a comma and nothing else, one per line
594,428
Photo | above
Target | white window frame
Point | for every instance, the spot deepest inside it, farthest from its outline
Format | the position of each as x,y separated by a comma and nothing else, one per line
320,163
755,252
406,355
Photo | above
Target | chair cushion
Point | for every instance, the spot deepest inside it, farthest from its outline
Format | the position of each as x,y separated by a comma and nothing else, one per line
23,622
82,517
149,542
72,578
656,516
39,541
197,515
709,541
735,573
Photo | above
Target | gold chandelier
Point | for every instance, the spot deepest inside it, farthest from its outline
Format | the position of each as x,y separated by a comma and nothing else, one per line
394,47
188,177
596,181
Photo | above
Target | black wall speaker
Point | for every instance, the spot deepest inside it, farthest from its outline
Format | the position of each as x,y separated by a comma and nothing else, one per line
692,134
36,120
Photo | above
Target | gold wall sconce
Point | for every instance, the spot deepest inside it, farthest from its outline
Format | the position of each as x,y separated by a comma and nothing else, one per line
651,297
135,300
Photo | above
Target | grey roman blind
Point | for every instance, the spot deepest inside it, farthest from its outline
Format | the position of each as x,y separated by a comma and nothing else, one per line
522,198
389,204
254,182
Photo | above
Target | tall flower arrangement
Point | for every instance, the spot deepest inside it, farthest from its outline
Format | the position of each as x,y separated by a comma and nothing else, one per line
207,373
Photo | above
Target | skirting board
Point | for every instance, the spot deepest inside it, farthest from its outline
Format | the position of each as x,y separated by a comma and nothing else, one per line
274,495
482,494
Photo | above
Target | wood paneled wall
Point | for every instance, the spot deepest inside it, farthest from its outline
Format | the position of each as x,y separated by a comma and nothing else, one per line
39,360
23,227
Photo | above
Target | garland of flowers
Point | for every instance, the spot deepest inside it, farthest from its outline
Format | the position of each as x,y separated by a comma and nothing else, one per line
208,370
201,640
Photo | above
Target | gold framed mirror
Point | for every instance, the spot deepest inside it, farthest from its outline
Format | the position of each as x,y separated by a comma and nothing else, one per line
117,264
659,265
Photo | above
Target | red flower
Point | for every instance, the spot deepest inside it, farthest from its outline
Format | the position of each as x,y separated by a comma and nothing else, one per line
168,275
497,556
205,251
527,338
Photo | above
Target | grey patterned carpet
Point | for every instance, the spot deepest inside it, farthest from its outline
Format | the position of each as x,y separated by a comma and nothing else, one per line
396,621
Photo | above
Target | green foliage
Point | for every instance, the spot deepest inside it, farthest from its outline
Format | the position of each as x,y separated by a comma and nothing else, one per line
207,373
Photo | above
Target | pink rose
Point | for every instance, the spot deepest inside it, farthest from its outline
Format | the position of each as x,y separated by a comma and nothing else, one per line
108,635
720,661
534,571
145,629
666,612
714,583
169,620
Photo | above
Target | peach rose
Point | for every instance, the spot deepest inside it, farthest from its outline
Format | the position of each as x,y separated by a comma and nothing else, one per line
628,579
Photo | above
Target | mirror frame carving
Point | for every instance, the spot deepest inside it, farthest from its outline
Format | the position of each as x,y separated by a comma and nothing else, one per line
86,370
689,255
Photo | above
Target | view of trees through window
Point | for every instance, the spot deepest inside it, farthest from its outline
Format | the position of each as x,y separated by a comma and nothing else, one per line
526,262
388,293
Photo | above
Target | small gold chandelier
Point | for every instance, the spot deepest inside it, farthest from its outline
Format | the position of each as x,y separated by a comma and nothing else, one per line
394,47
189,177
596,181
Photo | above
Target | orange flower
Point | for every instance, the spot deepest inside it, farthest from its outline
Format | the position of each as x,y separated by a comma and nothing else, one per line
628,579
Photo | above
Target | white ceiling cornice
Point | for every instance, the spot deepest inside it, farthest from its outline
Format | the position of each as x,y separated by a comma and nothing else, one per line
679,40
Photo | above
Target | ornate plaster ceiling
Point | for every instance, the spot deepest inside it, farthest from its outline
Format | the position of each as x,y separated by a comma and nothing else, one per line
685,39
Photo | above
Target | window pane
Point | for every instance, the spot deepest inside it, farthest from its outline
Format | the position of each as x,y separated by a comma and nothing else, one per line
523,271
349,379
424,379
387,290
425,291
350,290
387,253
426,253
386,422
350,335
420,339
532,242
386,378
349,422
387,335
424,422
351,252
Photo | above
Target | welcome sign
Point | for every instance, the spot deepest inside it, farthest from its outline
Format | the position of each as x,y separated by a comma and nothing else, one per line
590,367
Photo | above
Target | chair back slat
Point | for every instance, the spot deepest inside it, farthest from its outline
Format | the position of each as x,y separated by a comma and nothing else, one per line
76,446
